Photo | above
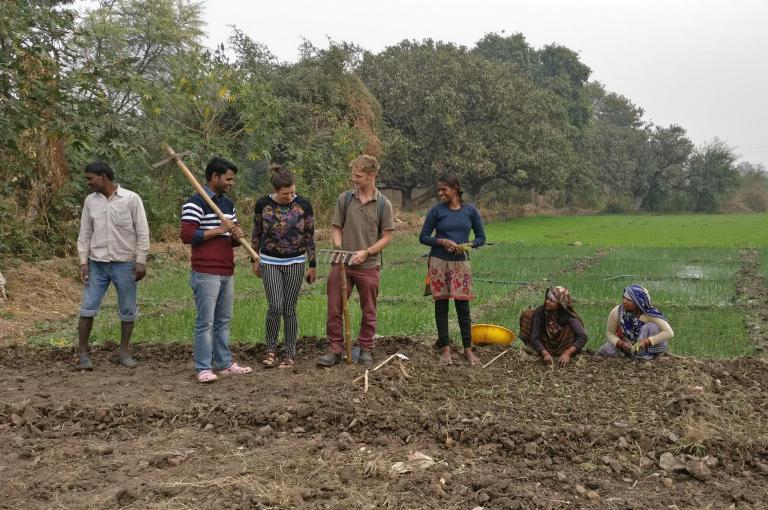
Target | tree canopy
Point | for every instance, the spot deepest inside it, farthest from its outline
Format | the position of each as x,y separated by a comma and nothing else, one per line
114,81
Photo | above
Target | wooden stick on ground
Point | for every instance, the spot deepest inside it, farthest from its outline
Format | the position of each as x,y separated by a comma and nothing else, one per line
378,366
686,358
193,181
365,389
385,362
497,357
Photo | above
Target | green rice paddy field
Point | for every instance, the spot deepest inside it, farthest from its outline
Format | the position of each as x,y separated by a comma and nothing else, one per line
689,263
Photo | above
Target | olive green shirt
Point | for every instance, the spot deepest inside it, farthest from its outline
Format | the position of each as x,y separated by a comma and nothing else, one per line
360,225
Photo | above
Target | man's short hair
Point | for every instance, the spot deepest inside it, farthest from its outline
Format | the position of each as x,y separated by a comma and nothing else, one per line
218,166
366,163
100,168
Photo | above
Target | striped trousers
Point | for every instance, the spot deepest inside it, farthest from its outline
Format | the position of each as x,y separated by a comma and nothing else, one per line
282,285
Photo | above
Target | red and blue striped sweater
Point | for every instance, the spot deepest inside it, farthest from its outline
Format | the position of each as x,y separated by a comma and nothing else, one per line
215,255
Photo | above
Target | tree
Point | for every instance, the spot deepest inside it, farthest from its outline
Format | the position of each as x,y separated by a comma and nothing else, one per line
34,110
554,67
125,44
662,168
127,50
613,108
563,73
558,70
753,186
512,50
712,175
327,118
609,150
449,110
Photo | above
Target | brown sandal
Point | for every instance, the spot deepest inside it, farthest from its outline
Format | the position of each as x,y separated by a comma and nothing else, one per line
269,360
287,363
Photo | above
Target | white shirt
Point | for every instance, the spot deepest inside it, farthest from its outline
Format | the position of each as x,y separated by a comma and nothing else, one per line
114,228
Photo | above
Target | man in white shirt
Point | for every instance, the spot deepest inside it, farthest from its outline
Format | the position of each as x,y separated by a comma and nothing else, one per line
113,246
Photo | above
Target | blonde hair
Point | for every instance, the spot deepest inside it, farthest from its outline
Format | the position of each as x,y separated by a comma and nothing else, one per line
366,163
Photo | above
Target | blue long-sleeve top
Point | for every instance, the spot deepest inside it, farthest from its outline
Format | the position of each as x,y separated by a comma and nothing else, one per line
454,225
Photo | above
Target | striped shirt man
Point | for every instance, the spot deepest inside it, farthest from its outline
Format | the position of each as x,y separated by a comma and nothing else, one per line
215,255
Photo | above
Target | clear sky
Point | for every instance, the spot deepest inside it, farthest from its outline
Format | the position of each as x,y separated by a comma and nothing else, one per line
701,64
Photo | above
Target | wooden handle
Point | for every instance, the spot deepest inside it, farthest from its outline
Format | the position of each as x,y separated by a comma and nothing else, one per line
345,310
497,357
200,191
377,367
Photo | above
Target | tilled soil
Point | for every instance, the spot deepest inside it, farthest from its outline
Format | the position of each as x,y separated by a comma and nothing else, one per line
675,433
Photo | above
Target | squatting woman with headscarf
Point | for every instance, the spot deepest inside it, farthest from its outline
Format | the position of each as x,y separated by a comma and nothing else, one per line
450,275
635,328
555,328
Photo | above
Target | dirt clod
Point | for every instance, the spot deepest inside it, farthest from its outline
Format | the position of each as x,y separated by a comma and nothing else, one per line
276,440
669,462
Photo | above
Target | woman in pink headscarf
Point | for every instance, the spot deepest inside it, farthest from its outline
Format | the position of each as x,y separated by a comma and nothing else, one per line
554,328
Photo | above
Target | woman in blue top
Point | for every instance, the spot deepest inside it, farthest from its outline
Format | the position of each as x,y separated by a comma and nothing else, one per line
450,276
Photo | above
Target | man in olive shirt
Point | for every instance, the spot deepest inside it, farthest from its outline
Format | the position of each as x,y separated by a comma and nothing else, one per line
363,222
113,246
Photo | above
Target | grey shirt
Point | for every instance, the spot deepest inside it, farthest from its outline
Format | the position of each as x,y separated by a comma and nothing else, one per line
113,229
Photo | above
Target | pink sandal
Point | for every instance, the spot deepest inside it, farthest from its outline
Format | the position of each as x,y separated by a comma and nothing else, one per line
235,369
206,376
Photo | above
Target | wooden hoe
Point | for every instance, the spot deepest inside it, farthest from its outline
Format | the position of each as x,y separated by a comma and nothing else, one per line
193,181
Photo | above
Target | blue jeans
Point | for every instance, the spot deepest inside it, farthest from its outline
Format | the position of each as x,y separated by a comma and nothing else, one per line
99,276
213,302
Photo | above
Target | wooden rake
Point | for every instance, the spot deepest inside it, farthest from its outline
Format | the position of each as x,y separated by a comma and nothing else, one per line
342,258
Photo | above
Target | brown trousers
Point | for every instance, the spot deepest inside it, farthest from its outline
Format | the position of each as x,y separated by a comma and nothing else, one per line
366,281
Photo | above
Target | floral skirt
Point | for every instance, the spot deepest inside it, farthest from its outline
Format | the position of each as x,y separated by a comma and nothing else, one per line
450,279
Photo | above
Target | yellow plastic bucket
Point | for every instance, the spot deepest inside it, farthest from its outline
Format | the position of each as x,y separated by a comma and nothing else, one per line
491,334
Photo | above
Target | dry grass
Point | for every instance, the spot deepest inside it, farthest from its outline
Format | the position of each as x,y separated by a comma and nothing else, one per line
43,292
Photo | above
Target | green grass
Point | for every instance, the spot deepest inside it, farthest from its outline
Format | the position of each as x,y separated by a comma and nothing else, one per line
683,276
687,262
678,230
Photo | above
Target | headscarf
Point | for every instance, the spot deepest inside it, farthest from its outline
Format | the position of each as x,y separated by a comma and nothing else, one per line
561,296
631,324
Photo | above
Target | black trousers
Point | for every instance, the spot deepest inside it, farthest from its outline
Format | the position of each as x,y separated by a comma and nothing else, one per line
441,319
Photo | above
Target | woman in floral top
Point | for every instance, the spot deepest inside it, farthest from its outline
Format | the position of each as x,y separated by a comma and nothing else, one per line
283,234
